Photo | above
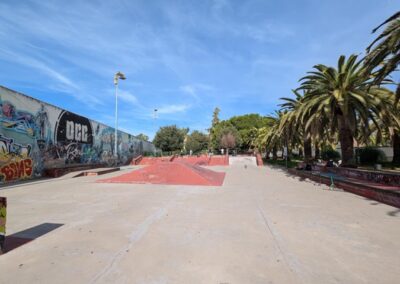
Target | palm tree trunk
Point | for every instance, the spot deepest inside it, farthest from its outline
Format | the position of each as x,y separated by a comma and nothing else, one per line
317,151
346,143
396,135
307,149
396,148
301,152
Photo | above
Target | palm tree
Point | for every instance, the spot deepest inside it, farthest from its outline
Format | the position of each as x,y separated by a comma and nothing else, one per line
388,126
342,96
294,124
383,54
385,49
274,138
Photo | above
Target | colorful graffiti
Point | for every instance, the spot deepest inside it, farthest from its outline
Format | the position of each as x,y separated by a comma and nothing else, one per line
20,169
35,136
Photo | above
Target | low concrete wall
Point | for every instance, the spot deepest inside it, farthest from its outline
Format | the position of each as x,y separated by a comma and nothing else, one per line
36,136
373,176
388,197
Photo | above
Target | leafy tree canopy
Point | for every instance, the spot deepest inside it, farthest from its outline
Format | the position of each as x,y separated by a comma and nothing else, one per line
196,141
222,129
170,138
247,126
142,137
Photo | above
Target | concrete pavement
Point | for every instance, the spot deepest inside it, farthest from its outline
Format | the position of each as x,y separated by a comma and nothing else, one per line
261,226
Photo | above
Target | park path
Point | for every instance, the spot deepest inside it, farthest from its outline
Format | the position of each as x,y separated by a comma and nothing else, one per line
242,161
261,226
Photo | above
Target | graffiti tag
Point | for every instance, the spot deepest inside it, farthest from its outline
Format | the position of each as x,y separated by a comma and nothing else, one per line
17,170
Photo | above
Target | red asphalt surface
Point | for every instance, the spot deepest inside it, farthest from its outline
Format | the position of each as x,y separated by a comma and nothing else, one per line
171,173
202,160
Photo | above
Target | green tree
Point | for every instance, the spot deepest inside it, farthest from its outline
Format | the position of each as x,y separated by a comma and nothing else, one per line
384,52
170,138
142,137
196,142
383,56
273,138
292,127
343,96
247,125
221,129
215,119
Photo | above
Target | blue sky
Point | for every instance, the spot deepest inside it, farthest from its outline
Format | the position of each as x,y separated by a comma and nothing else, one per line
182,57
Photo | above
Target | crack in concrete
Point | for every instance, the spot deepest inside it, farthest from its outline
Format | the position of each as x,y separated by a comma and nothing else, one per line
276,240
135,236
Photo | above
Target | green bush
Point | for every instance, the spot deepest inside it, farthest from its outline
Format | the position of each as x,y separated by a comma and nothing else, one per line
370,156
330,154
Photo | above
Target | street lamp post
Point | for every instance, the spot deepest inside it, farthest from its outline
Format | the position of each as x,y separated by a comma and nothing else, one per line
118,75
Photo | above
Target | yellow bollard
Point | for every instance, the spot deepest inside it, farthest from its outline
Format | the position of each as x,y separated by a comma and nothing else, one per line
3,218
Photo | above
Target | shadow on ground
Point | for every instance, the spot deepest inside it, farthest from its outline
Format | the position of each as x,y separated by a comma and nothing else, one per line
18,239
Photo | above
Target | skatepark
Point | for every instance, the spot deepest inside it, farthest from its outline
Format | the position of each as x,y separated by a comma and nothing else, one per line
261,225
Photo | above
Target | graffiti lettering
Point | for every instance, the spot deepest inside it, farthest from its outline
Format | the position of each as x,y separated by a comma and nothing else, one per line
76,131
73,128
17,170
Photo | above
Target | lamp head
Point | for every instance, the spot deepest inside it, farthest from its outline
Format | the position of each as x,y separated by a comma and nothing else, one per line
118,75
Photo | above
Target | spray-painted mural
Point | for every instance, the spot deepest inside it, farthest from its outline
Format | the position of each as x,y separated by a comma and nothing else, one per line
35,136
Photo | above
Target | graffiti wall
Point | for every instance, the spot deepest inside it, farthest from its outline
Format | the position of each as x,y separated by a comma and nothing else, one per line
35,136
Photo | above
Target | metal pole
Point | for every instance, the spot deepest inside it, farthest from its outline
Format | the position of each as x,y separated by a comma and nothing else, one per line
116,120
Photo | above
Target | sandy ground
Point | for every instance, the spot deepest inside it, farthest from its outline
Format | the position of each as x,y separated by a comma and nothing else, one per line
261,226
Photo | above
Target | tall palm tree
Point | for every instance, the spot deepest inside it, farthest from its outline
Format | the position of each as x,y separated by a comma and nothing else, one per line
388,125
343,96
384,52
275,138
294,124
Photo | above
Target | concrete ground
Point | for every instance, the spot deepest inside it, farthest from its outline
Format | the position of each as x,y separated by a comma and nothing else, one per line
261,226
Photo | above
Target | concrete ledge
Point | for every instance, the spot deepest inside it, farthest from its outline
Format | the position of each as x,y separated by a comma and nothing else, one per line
58,172
98,172
382,177
389,197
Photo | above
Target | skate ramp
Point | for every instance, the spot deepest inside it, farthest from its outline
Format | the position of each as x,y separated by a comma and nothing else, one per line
171,173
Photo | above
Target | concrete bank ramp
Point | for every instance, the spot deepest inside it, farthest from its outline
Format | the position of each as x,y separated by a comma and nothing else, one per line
249,161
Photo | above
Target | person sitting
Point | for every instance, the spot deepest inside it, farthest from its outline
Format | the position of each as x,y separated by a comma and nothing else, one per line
329,164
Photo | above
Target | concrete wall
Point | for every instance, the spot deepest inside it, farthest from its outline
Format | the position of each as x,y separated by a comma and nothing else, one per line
35,136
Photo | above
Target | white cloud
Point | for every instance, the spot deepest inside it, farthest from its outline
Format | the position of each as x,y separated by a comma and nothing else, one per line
193,90
188,89
170,109
38,65
128,97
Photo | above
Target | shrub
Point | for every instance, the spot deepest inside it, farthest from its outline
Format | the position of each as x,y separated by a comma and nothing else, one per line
330,154
369,156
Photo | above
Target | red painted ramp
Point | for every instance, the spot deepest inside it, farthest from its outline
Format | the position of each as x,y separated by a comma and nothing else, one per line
174,173
193,160
154,160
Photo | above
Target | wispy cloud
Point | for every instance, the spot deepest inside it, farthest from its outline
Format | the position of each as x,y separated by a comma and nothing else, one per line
41,66
171,109
196,90
126,96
